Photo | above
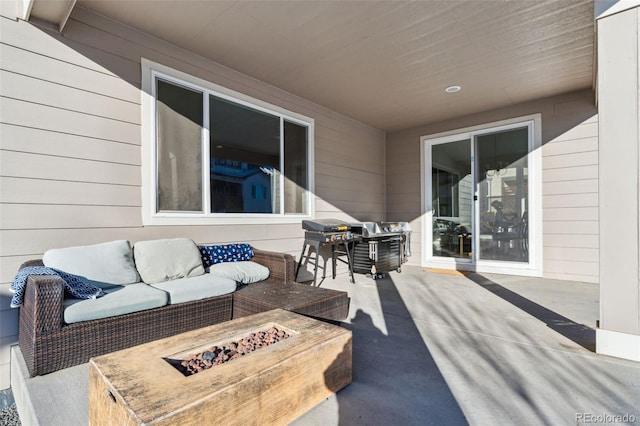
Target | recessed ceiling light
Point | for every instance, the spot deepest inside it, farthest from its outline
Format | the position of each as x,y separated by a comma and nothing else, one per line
453,89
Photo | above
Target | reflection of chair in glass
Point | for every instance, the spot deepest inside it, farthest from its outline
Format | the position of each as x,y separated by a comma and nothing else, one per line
510,234
451,239
460,238
440,241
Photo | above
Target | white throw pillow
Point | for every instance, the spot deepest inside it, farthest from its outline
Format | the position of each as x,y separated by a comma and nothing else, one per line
245,272
168,259
110,262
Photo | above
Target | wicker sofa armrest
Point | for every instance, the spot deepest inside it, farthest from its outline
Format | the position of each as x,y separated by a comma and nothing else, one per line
34,262
40,316
42,309
281,265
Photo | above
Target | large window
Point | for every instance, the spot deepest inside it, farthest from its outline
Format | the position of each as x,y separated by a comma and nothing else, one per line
215,155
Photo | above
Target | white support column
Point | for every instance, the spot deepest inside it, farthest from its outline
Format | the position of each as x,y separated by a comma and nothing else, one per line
25,11
619,183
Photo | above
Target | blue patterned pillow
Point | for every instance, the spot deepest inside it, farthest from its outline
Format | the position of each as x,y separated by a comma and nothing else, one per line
225,253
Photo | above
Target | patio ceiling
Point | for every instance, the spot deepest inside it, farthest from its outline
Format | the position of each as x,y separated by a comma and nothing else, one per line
384,63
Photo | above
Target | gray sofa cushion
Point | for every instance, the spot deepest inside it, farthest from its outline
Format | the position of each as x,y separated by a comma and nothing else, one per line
118,300
196,288
167,259
110,262
245,272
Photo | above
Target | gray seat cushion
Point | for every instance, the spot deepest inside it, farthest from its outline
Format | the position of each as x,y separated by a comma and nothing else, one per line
196,288
119,300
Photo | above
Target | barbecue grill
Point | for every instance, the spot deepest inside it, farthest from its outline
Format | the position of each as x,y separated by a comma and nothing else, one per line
380,247
372,248
326,232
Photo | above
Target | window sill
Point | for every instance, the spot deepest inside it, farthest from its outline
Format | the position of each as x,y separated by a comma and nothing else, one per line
246,219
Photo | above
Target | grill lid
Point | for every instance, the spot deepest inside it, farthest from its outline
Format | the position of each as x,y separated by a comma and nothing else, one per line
325,225
367,229
374,229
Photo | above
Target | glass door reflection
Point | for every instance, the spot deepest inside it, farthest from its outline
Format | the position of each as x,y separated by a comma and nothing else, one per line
452,199
502,188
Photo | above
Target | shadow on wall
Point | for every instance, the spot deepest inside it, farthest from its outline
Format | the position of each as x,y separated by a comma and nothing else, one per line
559,115
345,182
356,190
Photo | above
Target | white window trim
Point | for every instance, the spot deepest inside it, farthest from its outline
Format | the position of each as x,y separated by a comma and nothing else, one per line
534,267
151,70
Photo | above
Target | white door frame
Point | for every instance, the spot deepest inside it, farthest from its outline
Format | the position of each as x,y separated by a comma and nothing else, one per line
534,266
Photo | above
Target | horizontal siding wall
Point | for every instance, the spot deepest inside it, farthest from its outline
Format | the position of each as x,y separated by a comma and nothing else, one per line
570,202
70,153
569,175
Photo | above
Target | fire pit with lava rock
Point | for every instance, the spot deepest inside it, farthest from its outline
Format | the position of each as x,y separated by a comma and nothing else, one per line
219,354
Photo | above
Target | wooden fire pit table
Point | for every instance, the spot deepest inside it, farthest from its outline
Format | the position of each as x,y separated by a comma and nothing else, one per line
272,385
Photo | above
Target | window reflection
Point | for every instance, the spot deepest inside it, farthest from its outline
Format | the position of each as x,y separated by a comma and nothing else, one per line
245,159
503,195
452,199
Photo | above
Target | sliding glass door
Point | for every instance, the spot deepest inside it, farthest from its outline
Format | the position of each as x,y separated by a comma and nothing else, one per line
503,201
478,196
451,195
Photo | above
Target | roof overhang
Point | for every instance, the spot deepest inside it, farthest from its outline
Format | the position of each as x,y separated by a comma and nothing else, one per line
383,63
53,12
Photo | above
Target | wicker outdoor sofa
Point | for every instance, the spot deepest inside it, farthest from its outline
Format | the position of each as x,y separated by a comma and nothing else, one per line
49,344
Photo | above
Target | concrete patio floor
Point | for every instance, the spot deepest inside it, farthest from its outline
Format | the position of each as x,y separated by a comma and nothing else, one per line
441,349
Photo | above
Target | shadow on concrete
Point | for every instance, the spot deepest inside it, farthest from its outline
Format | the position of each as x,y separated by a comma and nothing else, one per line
579,333
505,366
395,378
